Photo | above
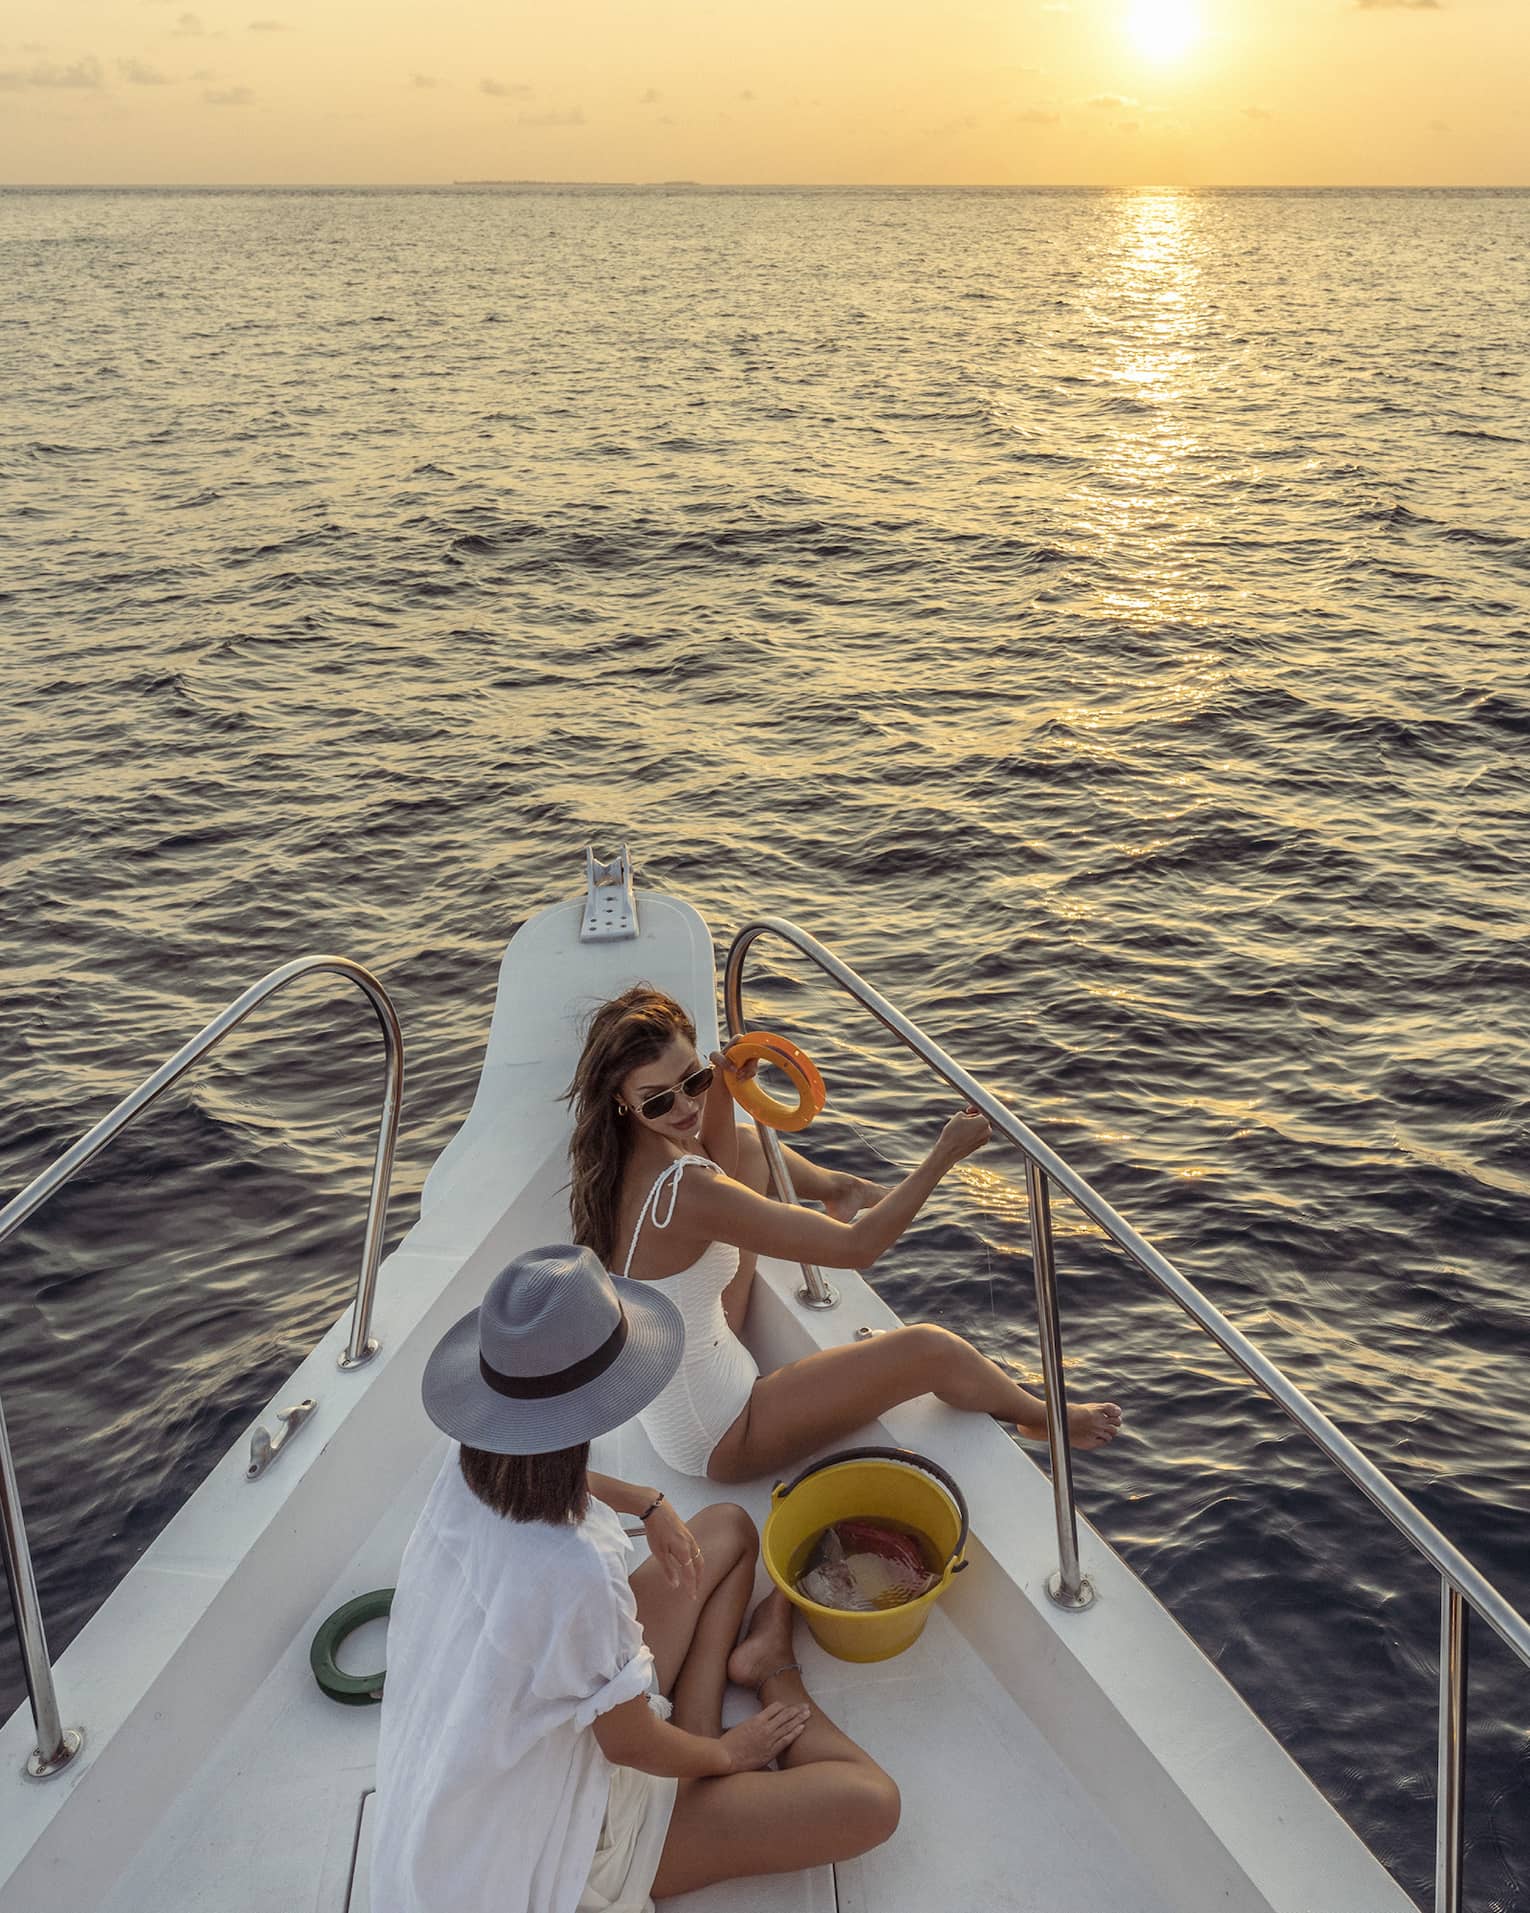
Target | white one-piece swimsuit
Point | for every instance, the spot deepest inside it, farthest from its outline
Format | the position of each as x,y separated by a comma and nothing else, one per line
706,1395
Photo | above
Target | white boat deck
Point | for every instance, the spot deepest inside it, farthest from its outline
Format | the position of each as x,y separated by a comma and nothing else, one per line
991,1817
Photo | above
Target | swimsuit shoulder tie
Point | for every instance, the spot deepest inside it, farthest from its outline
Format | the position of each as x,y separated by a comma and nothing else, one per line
666,1184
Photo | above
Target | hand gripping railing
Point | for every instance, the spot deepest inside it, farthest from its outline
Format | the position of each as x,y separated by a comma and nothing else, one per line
1462,1587
56,1747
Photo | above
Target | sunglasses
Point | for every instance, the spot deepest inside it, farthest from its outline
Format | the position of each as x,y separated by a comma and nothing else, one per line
695,1086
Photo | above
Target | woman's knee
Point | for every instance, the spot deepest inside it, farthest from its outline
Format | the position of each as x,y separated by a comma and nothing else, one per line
726,1524
936,1350
888,1807
871,1809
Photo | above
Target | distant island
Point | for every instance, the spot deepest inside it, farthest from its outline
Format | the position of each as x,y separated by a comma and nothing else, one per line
581,185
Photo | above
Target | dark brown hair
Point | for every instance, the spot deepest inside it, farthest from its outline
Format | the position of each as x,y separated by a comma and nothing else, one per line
550,1488
632,1029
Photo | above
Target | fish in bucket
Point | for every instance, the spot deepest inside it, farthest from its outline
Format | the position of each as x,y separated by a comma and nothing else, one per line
882,1528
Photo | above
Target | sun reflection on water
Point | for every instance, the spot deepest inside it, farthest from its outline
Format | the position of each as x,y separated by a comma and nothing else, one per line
1150,308
1159,283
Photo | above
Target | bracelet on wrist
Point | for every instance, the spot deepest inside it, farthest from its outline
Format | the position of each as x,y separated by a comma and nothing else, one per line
651,1506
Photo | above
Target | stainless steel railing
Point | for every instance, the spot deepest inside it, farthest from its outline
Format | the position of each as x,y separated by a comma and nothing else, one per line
1463,1589
56,1746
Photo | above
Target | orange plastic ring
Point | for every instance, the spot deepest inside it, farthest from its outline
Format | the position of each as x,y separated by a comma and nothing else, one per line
758,1045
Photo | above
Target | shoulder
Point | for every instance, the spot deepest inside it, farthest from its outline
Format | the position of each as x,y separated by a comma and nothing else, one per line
603,1541
654,1171
582,1556
705,1190
671,1189
645,1176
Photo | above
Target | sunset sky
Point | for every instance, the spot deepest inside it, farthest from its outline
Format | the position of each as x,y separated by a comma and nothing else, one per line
1132,92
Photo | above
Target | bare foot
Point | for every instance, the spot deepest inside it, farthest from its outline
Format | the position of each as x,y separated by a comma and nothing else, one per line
851,1195
1095,1424
767,1642
1092,1426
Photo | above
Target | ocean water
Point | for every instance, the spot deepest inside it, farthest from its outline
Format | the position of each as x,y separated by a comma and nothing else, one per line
1101,616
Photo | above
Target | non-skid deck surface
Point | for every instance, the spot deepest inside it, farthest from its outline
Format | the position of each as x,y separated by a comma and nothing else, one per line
991,1820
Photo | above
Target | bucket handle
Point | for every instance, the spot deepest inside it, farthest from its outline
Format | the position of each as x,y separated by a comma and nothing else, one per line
910,1460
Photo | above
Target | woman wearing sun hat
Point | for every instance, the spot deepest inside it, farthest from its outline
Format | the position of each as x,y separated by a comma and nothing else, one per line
551,1729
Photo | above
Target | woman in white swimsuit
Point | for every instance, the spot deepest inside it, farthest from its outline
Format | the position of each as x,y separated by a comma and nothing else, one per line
668,1188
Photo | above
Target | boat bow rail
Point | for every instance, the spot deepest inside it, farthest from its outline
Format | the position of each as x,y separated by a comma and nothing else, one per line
1463,1588
56,1745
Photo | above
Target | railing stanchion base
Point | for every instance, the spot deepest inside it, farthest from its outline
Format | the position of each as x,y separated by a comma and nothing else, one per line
347,1360
40,1768
1059,1596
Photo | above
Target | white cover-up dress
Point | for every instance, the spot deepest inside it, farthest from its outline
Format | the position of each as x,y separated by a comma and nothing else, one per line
707,1393
507,1641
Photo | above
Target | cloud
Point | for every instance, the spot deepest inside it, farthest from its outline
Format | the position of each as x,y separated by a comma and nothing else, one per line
229,96
569,116
84,72
1110,103
269,26
1439,126
188,26
140,73
1057,6
1037,116
1256,112
748,94
501,90
423,80
651,97
1398,6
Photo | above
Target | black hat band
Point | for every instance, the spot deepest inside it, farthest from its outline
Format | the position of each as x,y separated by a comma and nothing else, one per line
563,1381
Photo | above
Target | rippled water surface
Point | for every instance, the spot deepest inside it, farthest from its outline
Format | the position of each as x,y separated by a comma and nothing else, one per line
1101,616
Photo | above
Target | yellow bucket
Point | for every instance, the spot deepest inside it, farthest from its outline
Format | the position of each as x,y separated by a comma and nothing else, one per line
890,1484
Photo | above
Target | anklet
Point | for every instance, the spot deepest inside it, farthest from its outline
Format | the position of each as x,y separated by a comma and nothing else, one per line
791,1667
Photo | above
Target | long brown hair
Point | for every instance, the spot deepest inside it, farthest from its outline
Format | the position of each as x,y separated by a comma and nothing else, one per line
632,1029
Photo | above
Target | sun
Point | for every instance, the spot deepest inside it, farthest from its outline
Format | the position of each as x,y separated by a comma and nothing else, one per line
1164,29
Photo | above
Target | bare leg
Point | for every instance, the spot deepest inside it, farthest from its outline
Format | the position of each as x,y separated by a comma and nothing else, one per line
690,1640
829,1801
799,1408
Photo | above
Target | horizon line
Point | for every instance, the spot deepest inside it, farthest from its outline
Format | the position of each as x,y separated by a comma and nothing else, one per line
757,185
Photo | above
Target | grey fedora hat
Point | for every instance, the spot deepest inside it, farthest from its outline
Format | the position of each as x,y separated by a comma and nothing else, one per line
558,1351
